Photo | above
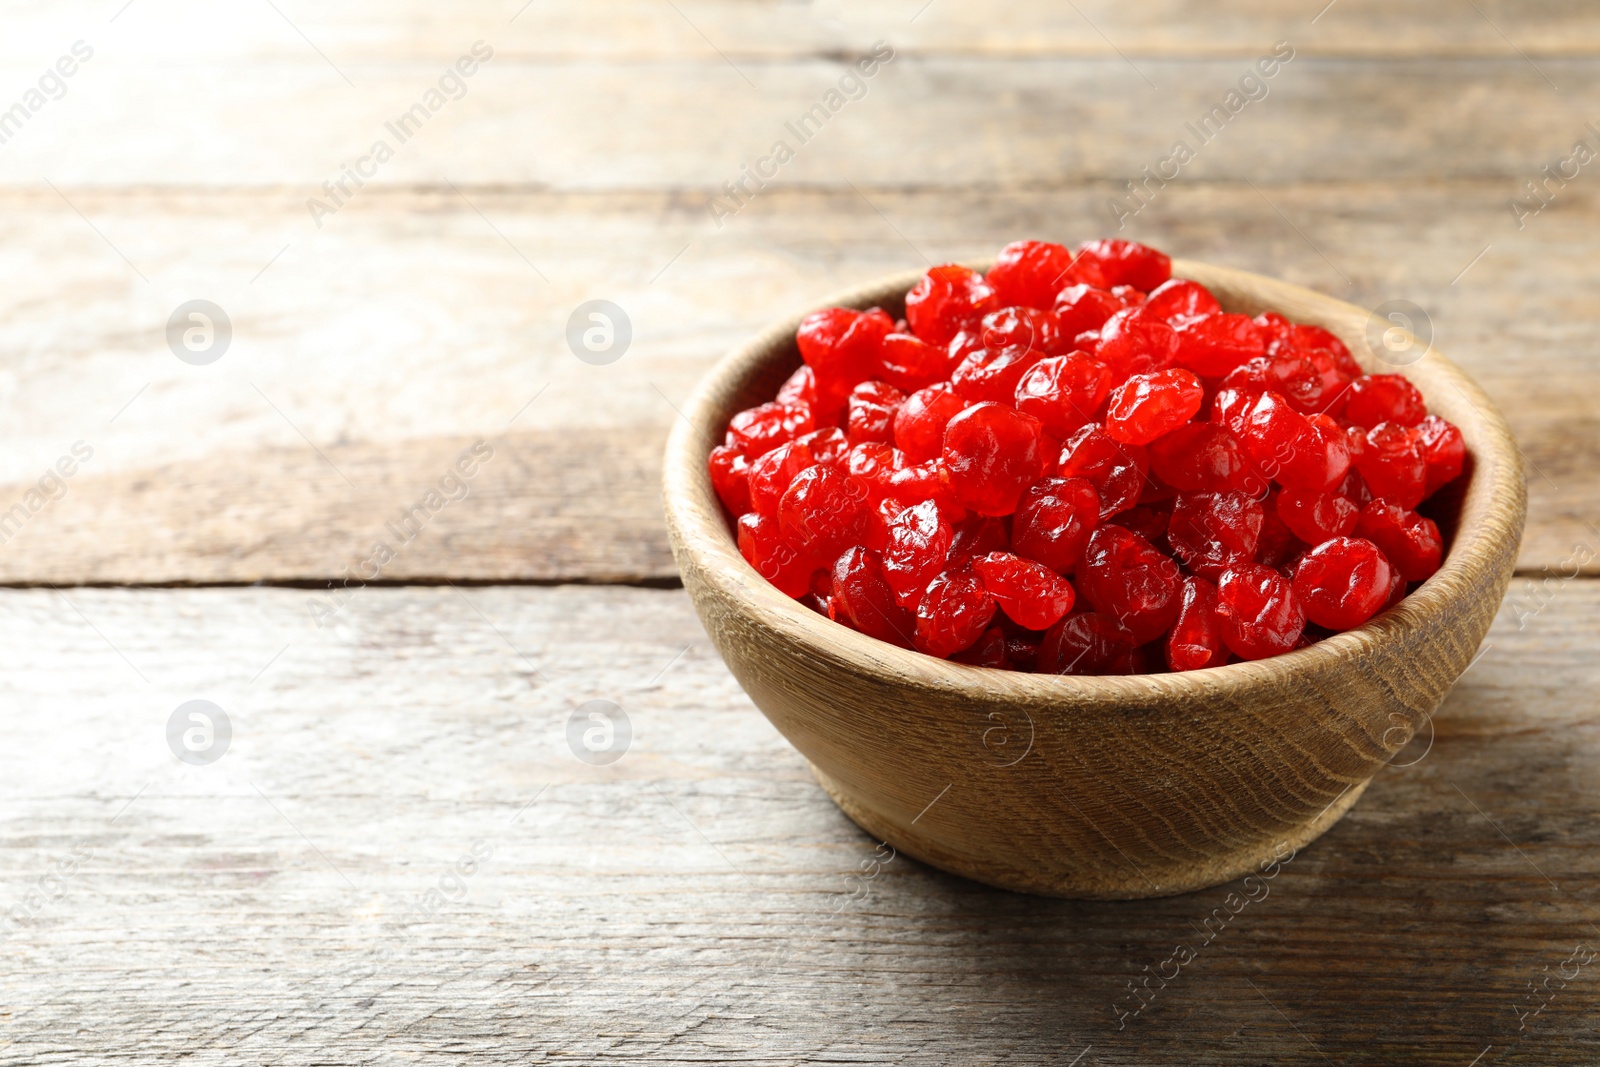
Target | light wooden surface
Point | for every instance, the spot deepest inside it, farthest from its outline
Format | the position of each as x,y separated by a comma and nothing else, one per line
694,902
679,906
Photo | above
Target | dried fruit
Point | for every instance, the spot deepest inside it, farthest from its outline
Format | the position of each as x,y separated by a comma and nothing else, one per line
1051,421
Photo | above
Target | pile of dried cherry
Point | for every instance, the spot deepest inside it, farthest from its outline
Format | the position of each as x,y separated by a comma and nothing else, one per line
1078,464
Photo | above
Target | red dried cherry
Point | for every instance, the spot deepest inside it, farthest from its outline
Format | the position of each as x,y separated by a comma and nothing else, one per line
1132,342
1027,327
1125,577
1126,263
730,477
920,422
1053,521
1315,517
758,430
1146,406
1195,641
992,453
1029,593
1117,471
1443,450
1180,299
1203,456
1063,392
1390,460
1086,644
824,511
1211,532
774,556
1029,273
1342,582
946,299
953,613
1212,345
1410,541
864,597
1260,614
1384,398
871,411
1080,308
992,373
918,542
909,363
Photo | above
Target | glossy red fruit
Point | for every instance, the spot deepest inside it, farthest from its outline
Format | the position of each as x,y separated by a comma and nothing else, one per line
992,453
1195,641
1391,462
1295,451
1342,582
920,422
1063,392
1122,575
874,463
990,650
1409,541
1053,521
975,536
1030,593
946,299
1443,451
1146,406
863,595
1149,521
775,557
799,388
770,476
1029,273
1259,612
1132,342
1179,299
1379,398
1123,262
1204,457
1086,644
1117,471
730,477
925,481
1080,308
871,410
1315,517
1309,387
909,363
1278,546
824,511
918,542
1211,532
1212,345
820,333
953,613
758,430
992,374
1027,327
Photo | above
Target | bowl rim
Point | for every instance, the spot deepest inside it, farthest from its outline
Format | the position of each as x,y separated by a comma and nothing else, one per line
1491,516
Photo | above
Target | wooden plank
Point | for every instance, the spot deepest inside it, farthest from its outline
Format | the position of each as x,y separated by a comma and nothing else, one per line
410,328
365,32
699,900
587,124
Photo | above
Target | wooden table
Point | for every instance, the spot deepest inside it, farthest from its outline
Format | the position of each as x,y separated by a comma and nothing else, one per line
398,857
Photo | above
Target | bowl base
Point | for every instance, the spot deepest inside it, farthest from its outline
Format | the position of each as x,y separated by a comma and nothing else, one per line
1174,882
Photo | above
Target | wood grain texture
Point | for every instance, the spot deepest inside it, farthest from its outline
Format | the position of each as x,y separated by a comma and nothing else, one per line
701,900
1099,788
409,327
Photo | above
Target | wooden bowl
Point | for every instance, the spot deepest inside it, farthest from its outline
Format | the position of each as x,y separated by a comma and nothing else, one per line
1117,787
